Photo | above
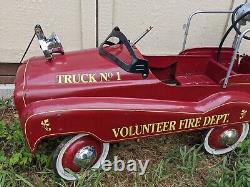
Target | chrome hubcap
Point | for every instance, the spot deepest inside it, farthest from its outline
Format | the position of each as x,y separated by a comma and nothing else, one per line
229,137
85,157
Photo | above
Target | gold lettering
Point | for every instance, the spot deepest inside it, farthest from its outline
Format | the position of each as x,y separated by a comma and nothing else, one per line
198,122
118,76
145,128
225,118
82,77
67,79
207,121
124,132
159,127
189,123
165,126
172,125
220,117
131,132
152,127
92,77
215,119
60,78
137,132
104,76
182,123
116,132
74,78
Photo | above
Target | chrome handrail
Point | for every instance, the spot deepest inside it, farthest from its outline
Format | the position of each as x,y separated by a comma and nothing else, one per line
234,57
190,19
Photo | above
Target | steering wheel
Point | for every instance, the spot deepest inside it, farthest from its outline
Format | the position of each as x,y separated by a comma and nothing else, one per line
235,25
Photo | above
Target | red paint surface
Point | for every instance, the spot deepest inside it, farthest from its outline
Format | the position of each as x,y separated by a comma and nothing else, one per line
97,108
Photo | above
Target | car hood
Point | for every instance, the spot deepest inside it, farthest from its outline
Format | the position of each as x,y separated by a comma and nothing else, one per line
76,74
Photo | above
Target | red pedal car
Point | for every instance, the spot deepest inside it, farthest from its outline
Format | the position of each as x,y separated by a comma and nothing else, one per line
114,93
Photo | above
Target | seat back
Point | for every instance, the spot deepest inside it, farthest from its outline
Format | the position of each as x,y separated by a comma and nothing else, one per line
217,71
244,67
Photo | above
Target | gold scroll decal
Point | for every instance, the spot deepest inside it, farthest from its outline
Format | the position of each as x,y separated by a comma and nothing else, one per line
88,78
243,113
46,125
168,126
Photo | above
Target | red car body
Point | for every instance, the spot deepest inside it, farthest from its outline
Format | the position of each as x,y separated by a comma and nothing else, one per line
84,92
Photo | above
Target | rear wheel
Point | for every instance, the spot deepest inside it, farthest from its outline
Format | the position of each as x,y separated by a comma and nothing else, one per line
78,153
222,140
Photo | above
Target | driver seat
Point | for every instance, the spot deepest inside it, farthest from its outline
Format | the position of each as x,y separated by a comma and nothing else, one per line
188,80
212,74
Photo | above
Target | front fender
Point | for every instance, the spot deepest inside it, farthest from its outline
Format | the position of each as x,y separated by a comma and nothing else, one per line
117,119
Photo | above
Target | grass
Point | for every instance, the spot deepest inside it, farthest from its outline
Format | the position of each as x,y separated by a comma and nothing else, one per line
177,160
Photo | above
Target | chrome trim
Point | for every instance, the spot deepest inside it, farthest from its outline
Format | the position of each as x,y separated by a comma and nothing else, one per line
234,57
85,157
229,137
48,45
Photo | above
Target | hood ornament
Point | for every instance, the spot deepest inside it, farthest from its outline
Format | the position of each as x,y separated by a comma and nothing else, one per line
48,45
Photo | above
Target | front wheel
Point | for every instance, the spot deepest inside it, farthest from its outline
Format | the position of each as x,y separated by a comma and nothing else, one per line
78,153
222,140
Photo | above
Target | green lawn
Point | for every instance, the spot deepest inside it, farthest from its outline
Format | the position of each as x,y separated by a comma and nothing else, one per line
177,160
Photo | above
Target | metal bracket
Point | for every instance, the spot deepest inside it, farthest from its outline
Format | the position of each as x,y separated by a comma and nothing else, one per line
137,65
48,45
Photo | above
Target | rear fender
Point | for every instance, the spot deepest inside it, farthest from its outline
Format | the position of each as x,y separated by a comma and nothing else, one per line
117,119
